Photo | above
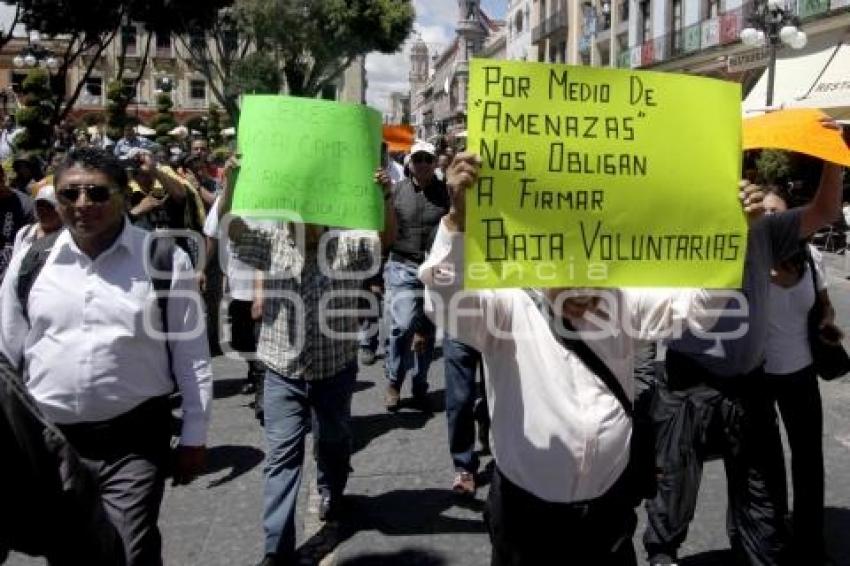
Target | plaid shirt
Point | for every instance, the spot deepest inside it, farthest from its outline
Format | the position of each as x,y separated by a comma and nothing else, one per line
292,341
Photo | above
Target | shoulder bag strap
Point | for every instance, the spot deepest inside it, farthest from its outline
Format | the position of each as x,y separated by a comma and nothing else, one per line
587,356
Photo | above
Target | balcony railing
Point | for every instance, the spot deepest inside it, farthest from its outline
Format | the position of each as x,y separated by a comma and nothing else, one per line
556,22
538,32
714,32
553,24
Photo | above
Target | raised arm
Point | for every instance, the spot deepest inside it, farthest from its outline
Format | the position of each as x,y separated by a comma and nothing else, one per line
825,207
463,315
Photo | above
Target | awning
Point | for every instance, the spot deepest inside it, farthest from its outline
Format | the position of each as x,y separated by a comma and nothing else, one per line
799,72
831,91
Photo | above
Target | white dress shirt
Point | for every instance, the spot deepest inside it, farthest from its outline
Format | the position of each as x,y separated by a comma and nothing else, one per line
557,431
240,276
86,353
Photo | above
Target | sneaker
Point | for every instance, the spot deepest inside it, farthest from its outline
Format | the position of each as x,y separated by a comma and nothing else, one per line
392,398
366,356
464,483
662,560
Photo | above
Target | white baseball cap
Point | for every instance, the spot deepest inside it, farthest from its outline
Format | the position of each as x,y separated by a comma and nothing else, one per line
48,194
423,147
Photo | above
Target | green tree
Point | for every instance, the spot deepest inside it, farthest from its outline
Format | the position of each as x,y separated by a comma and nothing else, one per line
314,42
84,29
35,113
774,166
118,98
257,73
164,120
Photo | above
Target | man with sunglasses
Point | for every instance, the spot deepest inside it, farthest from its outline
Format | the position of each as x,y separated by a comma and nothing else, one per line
88,336
418,204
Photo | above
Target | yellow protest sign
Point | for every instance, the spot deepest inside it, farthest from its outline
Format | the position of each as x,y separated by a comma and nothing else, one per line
598,177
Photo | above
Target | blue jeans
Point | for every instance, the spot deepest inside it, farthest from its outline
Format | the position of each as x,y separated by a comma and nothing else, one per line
404,307
370,329
290,406
462,363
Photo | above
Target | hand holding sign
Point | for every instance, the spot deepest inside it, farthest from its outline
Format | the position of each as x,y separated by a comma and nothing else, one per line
588,178
461,176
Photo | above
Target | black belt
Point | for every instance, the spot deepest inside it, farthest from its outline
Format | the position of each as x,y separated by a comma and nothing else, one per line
146,426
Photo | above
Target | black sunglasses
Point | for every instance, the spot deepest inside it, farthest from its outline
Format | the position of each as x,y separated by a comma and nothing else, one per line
95,193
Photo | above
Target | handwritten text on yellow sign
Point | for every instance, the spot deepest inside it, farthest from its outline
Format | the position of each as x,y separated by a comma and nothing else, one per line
603,178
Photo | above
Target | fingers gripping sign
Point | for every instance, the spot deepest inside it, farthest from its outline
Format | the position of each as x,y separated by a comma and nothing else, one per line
462,176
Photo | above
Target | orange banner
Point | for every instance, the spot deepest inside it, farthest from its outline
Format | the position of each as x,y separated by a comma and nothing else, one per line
398,138
796,129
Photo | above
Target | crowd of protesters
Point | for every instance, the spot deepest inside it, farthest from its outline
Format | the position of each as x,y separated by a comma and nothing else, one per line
110,263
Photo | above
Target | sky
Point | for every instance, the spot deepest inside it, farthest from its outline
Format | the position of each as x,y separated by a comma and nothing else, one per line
435,21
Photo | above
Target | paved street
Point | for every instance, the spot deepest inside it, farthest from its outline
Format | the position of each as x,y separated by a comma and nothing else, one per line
399,508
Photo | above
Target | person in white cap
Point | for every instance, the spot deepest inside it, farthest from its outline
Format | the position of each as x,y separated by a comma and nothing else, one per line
418,204
47,220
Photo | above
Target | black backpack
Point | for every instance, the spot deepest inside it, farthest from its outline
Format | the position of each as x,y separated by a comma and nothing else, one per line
49,500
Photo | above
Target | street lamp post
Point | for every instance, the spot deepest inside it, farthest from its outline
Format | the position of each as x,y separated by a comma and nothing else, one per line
35,54
772,24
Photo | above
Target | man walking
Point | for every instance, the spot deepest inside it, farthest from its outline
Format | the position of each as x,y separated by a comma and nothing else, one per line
418,204
561,428
88,335
310,273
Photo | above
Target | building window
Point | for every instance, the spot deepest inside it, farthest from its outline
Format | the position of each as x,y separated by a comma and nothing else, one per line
198,89
676,24
129,40
712,9
645,21
542,12
17,82
519,21
163,43
94,87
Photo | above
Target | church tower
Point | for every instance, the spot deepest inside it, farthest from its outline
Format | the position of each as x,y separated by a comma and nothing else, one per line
471,33
418,68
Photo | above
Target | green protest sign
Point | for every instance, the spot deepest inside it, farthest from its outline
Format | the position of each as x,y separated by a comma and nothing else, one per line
311,161
597,177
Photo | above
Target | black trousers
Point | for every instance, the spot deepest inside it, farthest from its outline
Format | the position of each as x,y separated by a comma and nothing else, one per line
697,416
798,398
130,455
528,531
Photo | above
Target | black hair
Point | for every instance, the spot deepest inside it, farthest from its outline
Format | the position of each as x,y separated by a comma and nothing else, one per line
779,191
95,159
